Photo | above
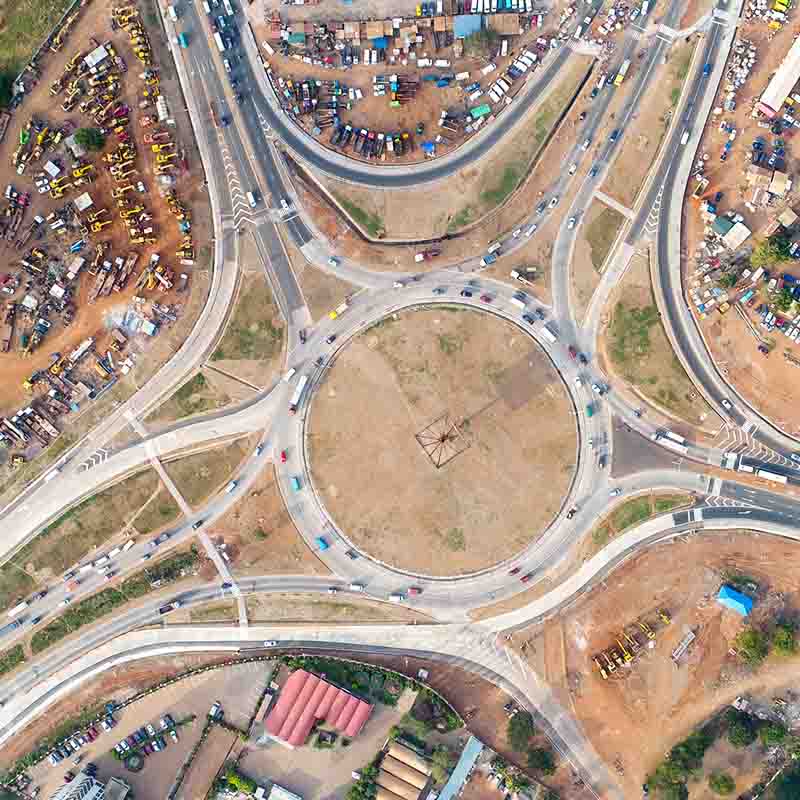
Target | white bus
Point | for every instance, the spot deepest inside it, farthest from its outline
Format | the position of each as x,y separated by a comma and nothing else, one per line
298,394
18,609
549,335
228,9
674,437
771,476
220,44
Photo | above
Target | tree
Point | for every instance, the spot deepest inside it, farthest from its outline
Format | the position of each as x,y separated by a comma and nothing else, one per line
784,300
90,138
752,645
728,280
787,787
770,251
771,734
443,761
741,728
520,730
783,640
541,759
517,782
721,783
675,791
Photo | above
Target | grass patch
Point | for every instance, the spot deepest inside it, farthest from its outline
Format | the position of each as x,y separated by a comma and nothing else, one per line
461,219
216,612
79,530
371,223
601,234
102,603
161,510
200,475
674,96
630,332
512,177
631,513
454,540
681,66
666,503
449,344
601,536
251,333
12,658
194,397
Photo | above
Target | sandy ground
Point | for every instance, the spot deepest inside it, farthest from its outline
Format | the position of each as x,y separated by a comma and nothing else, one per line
772,385
260,536
646,132
650,370
639,715
378,482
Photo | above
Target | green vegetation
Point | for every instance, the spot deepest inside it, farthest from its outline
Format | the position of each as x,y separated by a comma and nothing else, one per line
449,343
160,511
601,234
671,775
520,730
631,513
541,759
90,138
787,787
104,602
516,781
366,787
675,96
433,713
481,44
454,540
194,397
772,734
461,219
771,251
442,763
630,332
721,783
250,333
509,181
11,658
682,65
371,223
742,730
667,502
24,27
783,640
752,646
239,782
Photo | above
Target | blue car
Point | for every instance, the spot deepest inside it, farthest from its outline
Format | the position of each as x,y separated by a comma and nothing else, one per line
322,543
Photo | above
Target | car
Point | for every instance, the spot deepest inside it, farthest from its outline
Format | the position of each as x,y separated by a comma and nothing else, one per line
726,404
517,233
270,643
593,172
68,776
150,729
531,230
526,577
486,298
573,353
573,168
110,575
333,261
330,339
594,93
148,749
578,380
36,620
466,293
333,590
162,741
440,290
170,721
227,585
582,359
131,740
322,543
540,313
582,116
351,554
570,223
66,601
597,388
146,556
104,724
614,135
585,145
553,202
156,746
540,208
572,512
7,290
238,97
706,70
227,64
197,524
139,737
615,493
173,735
529,318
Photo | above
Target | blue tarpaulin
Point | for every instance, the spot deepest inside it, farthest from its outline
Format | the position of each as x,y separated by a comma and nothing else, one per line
381,43
736,601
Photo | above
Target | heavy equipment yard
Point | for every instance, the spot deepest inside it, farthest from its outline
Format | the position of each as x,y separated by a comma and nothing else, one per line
94,226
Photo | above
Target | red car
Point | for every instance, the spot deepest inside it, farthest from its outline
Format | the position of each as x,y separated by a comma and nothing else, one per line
514,571
486,298
414,590
573,353
284,456
525,578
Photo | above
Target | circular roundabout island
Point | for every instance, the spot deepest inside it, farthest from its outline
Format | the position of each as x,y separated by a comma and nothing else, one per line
442,440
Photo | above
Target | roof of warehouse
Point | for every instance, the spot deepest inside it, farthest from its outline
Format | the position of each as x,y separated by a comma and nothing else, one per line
784,79
466,24
736,601
306,698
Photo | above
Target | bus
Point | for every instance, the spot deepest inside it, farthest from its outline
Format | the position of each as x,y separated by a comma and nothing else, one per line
671,441
674,437
771,476
220,44
494,247
623,71
227,6
298,394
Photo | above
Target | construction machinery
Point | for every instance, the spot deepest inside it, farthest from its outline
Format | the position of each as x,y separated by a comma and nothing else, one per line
632,641
165,159
162,148
98,226
81,171
610,665
626,654
119,191
601,668
95,215
664,616
646,630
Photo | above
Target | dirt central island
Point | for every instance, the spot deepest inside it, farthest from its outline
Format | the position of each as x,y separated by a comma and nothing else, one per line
442,440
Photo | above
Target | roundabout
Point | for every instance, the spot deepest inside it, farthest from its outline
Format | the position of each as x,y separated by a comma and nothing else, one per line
441,440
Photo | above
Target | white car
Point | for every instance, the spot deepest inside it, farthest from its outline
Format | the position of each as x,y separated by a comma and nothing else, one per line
615,492
333,261
578,380
531,230
597,388
8,290
554,202
570,223
573,168
270,643
517,233
726,404
585,145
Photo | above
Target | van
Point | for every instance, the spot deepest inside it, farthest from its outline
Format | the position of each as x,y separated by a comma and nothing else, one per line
115,552
231,486
356,587
396,598
251,199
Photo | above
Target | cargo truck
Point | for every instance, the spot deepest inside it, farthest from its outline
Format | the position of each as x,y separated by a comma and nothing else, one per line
623,71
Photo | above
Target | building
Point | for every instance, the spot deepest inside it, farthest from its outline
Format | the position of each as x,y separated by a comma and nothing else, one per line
117,789
738,234
403,774
458,777
780,185
465,25
782,83
307,698
736,601
81,787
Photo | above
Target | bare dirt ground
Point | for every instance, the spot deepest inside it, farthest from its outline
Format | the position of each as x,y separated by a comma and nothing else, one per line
635,347
200,475
395,381
771,385
638,716
645,134
434,210
260,536
214,752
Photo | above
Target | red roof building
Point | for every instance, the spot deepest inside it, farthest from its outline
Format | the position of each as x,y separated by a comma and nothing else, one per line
305,699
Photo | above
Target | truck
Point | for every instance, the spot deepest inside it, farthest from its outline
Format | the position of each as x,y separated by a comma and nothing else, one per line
12,626
227,6
174,605
173,12
219,42
771,476
623,71
488,259
685,136
427,255
18,609
294,402
671,441
549,335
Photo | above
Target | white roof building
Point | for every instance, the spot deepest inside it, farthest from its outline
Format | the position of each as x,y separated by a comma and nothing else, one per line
97,56
783,81
83,201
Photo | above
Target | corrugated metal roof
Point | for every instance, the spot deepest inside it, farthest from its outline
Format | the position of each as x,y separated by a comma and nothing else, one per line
466,24
784,79
458,777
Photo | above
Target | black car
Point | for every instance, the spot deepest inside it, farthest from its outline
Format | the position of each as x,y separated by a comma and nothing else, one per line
36,620
227,585
614,135
330,339
238,97
540,313
352,555
582,116
540,208
572,512
582,358
466,293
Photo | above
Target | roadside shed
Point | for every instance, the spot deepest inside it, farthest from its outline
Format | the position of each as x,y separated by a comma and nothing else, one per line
787,218
736,236
736,601
780,185
784,79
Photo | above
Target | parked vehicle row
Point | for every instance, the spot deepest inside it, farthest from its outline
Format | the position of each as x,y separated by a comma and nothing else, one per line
71,745
147,740
370,144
